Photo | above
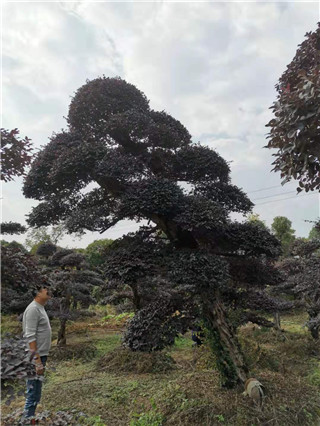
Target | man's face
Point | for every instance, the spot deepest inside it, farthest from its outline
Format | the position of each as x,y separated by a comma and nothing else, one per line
44,295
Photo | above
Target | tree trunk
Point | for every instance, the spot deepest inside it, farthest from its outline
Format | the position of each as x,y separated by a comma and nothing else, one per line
64,310
314,327
276,320
62,340
315,332
223,340
136,298
225,345
314,320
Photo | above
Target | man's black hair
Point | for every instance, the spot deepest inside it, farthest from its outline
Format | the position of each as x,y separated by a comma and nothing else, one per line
38,287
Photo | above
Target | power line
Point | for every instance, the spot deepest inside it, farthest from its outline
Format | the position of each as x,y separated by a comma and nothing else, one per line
264,189
274,195
288,198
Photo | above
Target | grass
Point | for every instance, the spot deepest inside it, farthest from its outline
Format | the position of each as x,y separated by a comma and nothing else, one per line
189,394
10,324
314,375
105,346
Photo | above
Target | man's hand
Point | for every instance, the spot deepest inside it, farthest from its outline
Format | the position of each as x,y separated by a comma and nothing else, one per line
37,358
39,369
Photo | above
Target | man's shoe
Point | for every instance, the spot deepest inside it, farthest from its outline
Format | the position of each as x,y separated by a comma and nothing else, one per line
25,421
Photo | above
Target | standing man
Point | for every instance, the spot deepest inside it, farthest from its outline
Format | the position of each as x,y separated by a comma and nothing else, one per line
37,331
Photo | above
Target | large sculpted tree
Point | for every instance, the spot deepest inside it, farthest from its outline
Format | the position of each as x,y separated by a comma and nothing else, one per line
294,130
138,160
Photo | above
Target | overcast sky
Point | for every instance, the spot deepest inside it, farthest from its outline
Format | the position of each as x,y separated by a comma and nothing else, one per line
212,65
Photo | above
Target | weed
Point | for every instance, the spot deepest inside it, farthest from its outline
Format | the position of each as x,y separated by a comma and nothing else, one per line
183,342
117,320
309,416
220,418
314,376
120,395
150,418
94,421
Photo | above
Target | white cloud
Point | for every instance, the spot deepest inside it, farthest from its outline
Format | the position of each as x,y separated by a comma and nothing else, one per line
211,65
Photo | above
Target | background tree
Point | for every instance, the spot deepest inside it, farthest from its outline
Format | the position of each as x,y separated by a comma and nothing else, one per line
294,131
38,236
281,228
315,230
138,159
72,284
19,274
94,252
129,264
13,243
255,218
46,249
305,248
314,233
16,154
302,280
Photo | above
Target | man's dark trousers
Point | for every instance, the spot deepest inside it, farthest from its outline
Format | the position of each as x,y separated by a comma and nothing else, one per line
34,387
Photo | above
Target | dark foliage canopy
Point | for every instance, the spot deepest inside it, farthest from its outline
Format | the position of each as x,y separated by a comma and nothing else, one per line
158,156
46,249
16,363
147,268
71,279
15,154
58,255
294,131
137,165
19,275
129,263
157,325
303,248
16,360
12,228
75,260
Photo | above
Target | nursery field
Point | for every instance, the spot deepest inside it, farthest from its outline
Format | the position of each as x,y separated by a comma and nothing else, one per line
93,381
